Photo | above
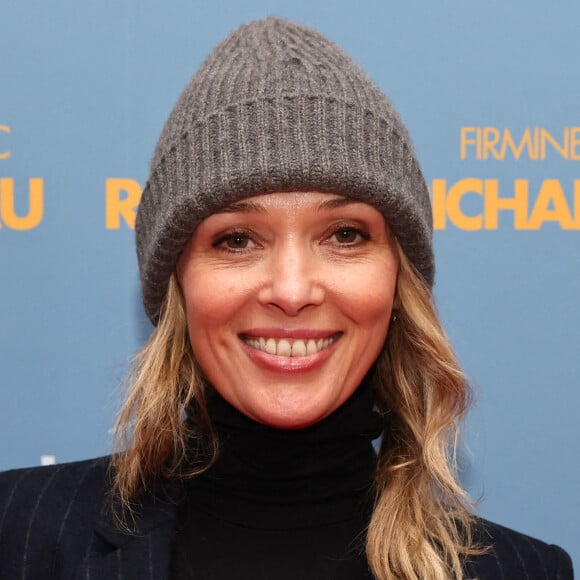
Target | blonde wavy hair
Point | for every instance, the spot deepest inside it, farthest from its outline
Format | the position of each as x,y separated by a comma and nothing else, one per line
421,526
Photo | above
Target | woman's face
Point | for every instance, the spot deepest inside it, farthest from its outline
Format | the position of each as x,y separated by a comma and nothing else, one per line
288,299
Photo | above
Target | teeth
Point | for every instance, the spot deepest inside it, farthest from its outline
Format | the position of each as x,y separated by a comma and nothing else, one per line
270,346
298,348
284,347
311,347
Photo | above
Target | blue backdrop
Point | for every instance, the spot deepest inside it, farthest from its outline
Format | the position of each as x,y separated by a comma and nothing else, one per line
491,94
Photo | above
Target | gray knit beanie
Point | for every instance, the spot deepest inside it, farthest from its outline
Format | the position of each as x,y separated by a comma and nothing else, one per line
277,107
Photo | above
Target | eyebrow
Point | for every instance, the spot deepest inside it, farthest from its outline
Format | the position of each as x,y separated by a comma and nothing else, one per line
337,202
244,206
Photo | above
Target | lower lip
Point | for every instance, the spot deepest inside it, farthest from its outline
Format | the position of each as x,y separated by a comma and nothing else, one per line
290,364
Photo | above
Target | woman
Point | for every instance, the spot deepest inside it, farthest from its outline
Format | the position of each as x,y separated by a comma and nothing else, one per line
284,243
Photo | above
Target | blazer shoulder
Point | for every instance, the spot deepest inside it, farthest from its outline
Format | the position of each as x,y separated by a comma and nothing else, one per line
48,511
51,488
512,555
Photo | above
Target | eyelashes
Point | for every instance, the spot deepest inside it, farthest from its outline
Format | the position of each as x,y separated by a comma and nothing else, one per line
350,236
234,241
342,236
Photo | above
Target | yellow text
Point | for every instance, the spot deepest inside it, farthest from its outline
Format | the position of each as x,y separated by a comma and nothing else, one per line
533,143
4,154
122,197
8,215
529,212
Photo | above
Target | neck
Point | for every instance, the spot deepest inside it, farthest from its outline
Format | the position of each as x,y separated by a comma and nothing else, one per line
305,477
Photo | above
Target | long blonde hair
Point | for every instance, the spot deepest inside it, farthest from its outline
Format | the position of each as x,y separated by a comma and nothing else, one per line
421,524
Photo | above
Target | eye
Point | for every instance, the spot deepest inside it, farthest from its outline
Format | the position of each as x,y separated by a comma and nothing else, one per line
234,241
349,236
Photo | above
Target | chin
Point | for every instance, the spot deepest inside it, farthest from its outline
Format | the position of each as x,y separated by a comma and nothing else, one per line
289,422
297,415
303,422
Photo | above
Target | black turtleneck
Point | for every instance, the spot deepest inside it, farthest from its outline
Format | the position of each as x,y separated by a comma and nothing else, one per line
281,504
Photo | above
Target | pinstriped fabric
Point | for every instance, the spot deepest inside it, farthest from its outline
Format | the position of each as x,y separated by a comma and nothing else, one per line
518,554
39,508
514,556
55,525
8,496
119,560
490,562
64,522
31,520
140,557
536,552
150,557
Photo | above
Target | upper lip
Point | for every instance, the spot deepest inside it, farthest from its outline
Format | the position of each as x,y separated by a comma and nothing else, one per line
296,333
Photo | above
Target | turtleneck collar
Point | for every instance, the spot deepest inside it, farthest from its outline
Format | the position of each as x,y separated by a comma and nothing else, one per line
289,479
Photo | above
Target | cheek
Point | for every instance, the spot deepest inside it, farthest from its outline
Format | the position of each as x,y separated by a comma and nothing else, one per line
202,303
207,314
371,294
201,317
212,299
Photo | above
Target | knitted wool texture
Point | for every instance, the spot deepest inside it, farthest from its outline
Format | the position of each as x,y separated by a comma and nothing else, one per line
277,107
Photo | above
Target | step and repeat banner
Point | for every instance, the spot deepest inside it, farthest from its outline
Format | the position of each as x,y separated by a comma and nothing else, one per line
491,95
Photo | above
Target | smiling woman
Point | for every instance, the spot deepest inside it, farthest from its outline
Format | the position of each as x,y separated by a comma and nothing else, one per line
284,311
284,240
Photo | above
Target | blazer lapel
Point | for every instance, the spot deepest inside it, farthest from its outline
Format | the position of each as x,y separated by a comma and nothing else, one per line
142,554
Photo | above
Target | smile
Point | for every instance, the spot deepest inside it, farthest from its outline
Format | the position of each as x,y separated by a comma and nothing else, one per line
290,347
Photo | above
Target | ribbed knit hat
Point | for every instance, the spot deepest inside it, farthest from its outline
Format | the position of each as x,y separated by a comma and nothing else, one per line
277,107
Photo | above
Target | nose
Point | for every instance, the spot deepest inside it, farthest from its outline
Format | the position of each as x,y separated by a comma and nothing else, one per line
293,279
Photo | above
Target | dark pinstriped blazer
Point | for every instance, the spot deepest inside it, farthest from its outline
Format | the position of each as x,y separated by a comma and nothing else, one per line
55,524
